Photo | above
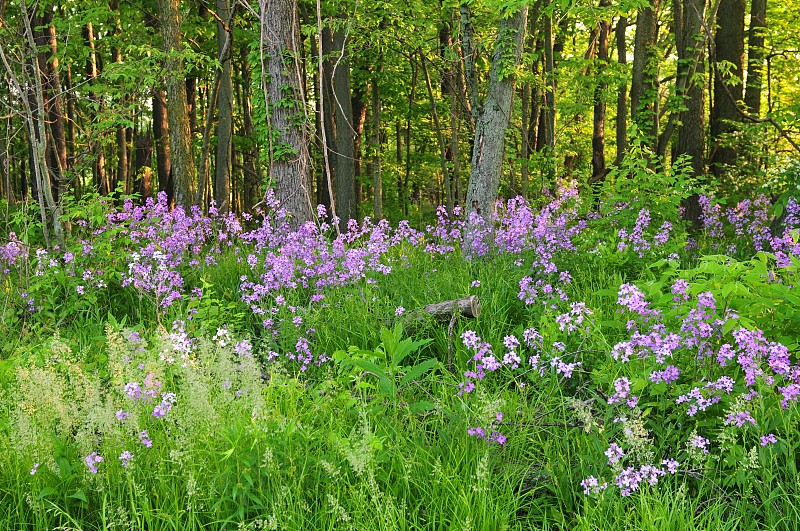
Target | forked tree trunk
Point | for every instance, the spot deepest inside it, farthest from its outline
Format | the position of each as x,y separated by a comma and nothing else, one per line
493,114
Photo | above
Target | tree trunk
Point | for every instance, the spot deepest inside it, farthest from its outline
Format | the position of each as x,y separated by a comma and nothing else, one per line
161,141
377,180
252,166
340,132
290,160
689,19
45,37
548,111
224,162
622,95
599,119
755,56
359,106
644,82
437,127
182,169
123,175
492,117
729,46
92,73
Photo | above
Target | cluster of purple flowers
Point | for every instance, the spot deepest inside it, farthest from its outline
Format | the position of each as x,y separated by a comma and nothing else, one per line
749,225
490,433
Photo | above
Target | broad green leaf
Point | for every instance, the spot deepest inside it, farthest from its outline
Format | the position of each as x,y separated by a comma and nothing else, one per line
418,370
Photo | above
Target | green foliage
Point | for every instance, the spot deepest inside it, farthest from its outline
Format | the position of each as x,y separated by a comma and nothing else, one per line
386,364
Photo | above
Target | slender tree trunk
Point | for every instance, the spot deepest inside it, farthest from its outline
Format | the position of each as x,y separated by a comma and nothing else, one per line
439,135
755,56
492,117
224,166
644,83
123,174
377,180
290,159
45,36
161,141
339,113
252,166
729,46
406,198
92,73
182,168
599,120
622,93
548,111
70,123
359,105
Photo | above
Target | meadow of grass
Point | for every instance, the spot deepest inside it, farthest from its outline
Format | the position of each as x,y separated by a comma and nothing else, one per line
172,370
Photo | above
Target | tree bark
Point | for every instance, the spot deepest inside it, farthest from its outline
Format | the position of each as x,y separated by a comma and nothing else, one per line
599,119
359,106
689,17
161,141
493,114
92,73
339,113
729,47
755,56
224,162
622,95
644,82
377,179
252,166
290,160
182,168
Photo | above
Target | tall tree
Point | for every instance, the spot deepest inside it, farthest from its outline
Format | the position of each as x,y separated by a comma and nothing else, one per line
622,95
644,82
224,162
689,19
755,56
92,73
182,166
492,114
728,74
338,112
599,119
290,161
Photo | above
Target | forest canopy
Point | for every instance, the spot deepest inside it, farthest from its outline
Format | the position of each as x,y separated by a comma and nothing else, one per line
391,108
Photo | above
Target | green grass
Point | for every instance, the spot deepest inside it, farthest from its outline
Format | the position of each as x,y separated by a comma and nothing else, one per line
325,449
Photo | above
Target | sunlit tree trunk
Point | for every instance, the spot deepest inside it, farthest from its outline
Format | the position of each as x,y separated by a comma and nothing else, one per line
182,165
644,82
755,56
290,160
224,162
493,113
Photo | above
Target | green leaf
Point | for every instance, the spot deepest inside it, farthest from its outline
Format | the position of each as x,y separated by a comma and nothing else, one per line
80,495
47,491
406,347
418,370
389,341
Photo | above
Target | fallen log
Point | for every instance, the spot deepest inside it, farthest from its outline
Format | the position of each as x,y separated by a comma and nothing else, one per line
446,310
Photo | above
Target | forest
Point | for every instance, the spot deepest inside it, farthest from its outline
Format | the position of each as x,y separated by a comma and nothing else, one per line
384,264
375,108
